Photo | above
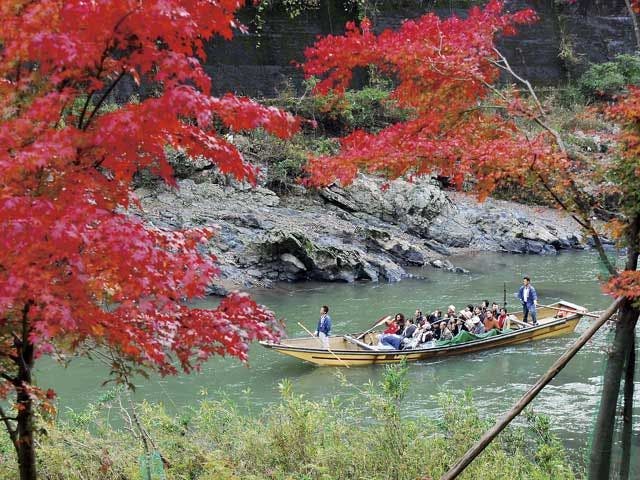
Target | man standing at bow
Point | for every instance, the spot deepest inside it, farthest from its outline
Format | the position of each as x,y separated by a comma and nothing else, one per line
529,298
324,326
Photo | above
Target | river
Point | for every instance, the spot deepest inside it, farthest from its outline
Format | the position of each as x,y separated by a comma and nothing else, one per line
495,377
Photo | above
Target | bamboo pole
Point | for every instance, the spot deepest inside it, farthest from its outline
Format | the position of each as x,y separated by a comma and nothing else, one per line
330,351
520,405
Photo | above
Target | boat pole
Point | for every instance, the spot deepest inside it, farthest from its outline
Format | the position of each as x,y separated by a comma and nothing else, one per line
569,311
330,351
520,405
504,296
376,325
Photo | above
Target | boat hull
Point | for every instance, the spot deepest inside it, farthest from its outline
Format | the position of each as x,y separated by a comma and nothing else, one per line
344,353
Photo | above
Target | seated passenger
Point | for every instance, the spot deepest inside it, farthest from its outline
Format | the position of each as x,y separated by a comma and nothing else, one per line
445,332
436,331
435,317
478,326
502,318
396,325
451,312
490,322
453,326
409,329
424,334
478,312
418,318
484,306
495,309
391,340
459,326
466,317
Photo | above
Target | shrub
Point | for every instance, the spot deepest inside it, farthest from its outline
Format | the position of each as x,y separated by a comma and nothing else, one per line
605,80
366,437
370,108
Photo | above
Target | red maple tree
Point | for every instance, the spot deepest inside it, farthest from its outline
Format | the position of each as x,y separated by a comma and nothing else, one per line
78,271
442,68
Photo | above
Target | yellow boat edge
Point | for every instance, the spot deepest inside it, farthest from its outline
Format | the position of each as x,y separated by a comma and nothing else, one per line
345,353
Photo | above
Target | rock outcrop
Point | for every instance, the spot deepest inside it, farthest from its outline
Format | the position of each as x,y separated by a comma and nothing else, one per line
363,232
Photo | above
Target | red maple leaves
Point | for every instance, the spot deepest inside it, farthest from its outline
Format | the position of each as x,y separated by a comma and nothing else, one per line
89,270
442,70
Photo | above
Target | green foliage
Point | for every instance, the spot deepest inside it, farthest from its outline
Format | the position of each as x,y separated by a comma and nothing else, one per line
608,79
283,161
293,9
298,438
370,108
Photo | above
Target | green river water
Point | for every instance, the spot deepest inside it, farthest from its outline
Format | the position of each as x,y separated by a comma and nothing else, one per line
496,377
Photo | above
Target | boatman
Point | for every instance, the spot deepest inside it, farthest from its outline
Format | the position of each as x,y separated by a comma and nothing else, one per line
324,326
529,298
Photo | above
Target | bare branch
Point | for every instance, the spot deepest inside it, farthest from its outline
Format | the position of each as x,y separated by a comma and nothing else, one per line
104,96
583,209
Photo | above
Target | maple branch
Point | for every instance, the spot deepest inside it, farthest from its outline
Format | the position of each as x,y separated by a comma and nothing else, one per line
102,99
101,69
507,68
583,208
84,107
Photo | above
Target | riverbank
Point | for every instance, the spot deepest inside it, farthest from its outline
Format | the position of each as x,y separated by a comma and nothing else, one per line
366,231
367,436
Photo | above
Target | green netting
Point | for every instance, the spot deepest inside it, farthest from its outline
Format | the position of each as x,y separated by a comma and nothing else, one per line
151,467
465,336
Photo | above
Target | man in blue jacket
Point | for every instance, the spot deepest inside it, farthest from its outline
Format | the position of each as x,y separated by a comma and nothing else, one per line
529,298
324,326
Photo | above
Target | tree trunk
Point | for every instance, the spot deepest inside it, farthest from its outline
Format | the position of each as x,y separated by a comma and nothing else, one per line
627,413
634,22
24,431
600,457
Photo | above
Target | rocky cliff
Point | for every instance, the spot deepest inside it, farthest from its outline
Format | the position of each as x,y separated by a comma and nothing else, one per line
361,232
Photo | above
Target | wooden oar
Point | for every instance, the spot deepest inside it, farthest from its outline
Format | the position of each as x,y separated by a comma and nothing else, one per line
569,311
330,351
518,322
376,325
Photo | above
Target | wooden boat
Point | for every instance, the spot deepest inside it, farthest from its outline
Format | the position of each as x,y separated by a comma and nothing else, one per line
556,319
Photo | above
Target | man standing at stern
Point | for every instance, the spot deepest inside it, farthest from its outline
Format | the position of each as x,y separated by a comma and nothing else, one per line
529,298
324,326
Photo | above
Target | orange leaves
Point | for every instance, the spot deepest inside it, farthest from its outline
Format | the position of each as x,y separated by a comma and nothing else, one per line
627,284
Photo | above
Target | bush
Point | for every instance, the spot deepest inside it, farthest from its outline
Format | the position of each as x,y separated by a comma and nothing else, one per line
365,438
608,79
370,108
283,161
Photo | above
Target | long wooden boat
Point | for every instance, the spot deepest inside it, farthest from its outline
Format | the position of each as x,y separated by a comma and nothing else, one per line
556,319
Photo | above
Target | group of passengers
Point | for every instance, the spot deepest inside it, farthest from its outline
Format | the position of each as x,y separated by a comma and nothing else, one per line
419,330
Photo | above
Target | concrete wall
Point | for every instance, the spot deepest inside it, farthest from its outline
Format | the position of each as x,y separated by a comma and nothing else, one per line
261,65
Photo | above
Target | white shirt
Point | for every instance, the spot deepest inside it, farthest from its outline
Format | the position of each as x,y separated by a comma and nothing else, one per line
525,293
